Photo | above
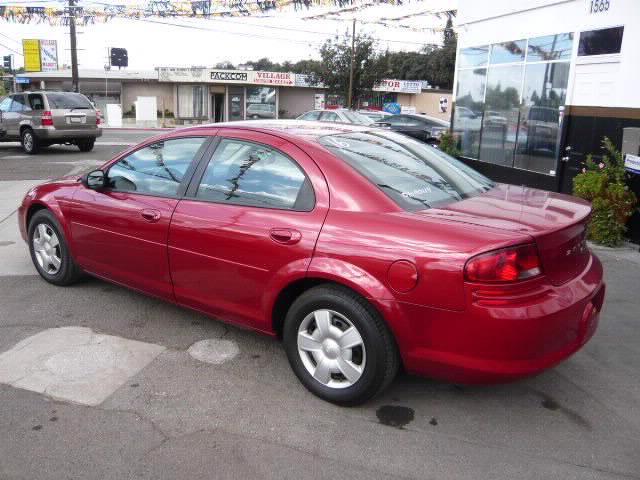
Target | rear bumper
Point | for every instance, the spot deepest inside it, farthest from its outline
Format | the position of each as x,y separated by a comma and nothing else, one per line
62,135
496,342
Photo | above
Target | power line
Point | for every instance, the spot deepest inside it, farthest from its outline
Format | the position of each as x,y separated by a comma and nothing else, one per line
11,49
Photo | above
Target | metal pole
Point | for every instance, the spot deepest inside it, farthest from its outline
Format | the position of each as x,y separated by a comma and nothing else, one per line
13,70
353,58
74,49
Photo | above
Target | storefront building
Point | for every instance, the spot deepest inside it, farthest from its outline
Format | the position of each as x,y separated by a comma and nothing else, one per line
539,83
228,95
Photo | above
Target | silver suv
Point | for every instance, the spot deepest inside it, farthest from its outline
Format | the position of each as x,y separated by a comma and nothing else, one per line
40,119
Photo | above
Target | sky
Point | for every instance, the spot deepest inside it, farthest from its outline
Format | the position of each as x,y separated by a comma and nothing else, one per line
284,36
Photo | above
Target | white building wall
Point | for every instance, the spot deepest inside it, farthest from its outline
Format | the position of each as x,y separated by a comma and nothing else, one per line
607,81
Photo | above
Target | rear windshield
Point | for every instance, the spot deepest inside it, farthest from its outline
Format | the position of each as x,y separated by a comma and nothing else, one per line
414,175
68,100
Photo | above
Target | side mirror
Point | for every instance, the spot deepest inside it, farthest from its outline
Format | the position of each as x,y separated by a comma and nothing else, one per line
95,180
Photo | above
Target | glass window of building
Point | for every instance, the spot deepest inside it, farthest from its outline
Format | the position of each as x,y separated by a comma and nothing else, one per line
192,101
600,42
467,115
261,102
501,114
509,113
545,91
474,57
508,52
551,47
236,103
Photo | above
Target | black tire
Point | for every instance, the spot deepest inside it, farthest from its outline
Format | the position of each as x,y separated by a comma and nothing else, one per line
68,272
86,145
382,358
30,142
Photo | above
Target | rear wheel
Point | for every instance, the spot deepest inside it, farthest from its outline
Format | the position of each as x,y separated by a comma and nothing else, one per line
338,346
49,250
86,145
30,143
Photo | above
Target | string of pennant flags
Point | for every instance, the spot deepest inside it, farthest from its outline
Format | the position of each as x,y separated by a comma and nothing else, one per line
96,12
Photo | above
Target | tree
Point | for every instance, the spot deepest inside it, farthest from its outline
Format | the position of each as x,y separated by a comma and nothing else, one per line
333,70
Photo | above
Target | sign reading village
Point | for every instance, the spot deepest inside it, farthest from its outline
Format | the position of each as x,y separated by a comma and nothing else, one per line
204,75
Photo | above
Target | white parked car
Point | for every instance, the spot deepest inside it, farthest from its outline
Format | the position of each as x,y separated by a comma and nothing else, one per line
338,115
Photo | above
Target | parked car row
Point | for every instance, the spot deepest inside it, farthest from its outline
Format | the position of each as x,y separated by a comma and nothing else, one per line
40,119
421,127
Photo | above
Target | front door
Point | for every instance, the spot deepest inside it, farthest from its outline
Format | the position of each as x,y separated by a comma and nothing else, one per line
120,232
217,107
11,118
252,220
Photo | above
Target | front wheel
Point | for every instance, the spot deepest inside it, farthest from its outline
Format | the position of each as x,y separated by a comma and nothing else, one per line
338,346
49,250
30,143
86,145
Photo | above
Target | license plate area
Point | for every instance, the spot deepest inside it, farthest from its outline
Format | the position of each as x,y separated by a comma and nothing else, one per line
76,120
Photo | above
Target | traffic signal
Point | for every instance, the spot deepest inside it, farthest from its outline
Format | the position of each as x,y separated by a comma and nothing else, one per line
118,57
6,62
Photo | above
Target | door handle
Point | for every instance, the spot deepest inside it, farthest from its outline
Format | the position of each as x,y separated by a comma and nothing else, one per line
285,236
150,215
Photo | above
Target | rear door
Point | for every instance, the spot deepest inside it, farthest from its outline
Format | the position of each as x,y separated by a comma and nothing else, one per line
71,111
250,221
121,232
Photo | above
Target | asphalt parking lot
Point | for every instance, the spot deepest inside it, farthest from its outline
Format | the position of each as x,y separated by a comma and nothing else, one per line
203,400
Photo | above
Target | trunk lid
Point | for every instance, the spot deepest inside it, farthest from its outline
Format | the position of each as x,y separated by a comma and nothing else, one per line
557,223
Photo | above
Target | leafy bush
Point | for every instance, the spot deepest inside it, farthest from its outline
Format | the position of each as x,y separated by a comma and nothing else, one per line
449,144
604,185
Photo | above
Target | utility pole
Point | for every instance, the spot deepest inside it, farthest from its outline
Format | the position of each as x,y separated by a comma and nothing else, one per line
353,59
74,48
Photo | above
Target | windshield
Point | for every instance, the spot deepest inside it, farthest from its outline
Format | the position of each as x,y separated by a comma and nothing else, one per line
65,101
415,175
357,118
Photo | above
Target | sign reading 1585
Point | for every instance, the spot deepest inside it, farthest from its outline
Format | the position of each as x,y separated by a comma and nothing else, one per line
597,6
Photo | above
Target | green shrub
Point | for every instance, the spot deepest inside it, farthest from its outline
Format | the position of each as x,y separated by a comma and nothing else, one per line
604,185
449,144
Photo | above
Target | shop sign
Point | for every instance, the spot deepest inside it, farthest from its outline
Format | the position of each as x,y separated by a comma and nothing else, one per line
632,163
31,52
399,86
49,55
274,78
229,76
392,108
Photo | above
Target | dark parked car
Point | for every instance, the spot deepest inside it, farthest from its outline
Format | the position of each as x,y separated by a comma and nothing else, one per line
421,127
362,249
40,119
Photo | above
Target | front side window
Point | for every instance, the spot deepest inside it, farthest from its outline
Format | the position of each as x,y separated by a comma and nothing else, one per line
157,169
413,174
245,173
357,118
18,104
5,104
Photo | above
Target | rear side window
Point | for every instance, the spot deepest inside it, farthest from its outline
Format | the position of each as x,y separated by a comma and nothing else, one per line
414,175
329,117
311,115
157,169
68,100
36,102
246,173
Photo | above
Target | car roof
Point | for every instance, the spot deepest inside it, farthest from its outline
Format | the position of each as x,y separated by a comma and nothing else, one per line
287,128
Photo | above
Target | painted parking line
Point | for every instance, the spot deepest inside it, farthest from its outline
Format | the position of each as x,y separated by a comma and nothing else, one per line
75,364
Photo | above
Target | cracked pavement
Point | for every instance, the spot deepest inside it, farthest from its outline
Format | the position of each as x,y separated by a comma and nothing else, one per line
249,417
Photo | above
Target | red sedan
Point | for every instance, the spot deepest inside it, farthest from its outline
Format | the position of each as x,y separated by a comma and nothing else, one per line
364,250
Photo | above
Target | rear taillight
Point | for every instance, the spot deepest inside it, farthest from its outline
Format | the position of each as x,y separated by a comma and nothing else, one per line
98,117
505,265
47,119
